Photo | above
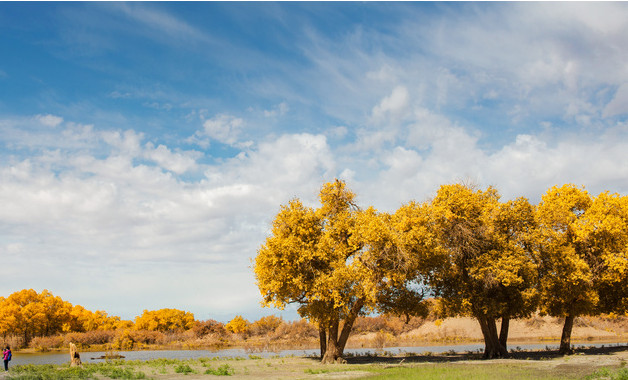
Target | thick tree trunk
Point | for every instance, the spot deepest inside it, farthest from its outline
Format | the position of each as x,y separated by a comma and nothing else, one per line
331,351
500,349
503,332
323,339
565,339
492,346
348,325
336,343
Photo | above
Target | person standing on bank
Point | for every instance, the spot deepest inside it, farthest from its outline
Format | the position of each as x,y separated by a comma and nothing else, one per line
6,355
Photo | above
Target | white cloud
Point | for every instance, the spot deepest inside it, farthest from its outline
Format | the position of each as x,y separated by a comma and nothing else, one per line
178,163
49,120
393,105
127,143
124,226
222,128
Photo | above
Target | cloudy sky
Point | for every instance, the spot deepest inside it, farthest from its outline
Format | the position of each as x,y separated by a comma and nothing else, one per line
146,147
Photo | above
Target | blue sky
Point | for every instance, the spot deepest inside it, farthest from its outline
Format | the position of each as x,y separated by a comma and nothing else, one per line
146,147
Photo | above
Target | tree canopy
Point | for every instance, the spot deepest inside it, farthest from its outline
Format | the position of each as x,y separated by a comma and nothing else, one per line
478,255
583,242
333,261
482,263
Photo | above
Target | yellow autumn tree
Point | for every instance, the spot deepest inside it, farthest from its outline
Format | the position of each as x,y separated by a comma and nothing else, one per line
82,320
28,314
164,320
604,231
238,325
393,283
8,312
582,243
477,256
324,260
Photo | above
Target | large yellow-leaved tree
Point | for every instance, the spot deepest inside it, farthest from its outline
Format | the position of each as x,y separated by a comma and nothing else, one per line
475,252
332,261
583,250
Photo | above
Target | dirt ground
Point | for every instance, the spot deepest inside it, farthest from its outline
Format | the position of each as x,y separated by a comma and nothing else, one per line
543,363
572,366
550,363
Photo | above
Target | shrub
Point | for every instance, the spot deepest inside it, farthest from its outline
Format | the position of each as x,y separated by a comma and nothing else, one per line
123,340
388,323
86,339
238,325
296,330
266,325
209,327
147,337
223,370
42,343
183,368
370,324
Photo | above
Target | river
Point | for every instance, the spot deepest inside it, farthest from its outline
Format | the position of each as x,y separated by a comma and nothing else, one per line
91,357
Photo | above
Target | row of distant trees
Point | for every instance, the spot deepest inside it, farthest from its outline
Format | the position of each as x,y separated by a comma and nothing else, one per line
479,256
28,314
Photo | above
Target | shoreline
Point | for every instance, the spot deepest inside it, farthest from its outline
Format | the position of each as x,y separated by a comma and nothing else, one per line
254,347
521,365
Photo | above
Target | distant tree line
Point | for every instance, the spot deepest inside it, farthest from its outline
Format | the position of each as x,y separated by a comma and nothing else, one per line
479,256
44,321
28,314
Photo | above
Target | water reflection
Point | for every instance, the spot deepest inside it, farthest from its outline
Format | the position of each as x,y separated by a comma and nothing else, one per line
91,357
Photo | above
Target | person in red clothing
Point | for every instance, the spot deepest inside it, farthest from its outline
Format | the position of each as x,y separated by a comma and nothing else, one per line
6,355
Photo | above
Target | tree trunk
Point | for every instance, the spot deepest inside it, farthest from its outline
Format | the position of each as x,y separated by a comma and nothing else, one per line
492,346
331,351
501,350
565,339
323,339
348,325
503,332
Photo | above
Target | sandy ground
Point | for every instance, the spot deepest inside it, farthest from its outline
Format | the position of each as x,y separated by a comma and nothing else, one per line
542,328
533,330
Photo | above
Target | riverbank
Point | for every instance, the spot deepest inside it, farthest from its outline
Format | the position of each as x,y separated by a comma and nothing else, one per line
377,333
523,365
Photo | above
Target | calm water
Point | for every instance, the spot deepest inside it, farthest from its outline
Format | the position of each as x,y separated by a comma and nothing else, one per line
90,357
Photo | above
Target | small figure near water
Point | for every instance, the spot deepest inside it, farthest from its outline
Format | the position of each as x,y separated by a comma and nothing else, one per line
6,356
74,356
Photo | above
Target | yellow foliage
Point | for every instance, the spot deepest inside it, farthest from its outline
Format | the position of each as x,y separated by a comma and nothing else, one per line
335,261
476,251
238,325
31,314
584,246
165,320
